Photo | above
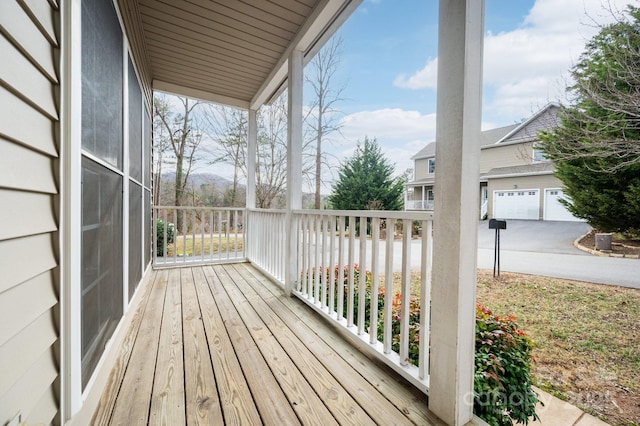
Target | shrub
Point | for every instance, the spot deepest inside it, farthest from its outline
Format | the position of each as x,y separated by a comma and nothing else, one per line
502,379
160,236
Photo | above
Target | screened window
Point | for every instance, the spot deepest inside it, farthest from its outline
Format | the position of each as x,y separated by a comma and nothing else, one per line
102,82
135,236
148,228
146,146
135,125
101,260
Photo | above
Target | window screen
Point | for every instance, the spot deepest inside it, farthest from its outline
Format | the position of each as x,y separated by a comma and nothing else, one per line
148,228
102,82
146,147
101,261
135,125
135,236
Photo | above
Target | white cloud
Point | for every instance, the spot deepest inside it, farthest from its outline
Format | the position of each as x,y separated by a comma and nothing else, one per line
527,67
388,123
426,78
400,133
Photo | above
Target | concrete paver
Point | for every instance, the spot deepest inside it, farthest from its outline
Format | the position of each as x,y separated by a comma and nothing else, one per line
556,412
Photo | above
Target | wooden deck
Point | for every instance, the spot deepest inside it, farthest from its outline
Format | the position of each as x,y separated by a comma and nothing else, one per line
222,345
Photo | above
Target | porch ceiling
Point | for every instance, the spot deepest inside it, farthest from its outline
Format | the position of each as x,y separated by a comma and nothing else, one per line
228,51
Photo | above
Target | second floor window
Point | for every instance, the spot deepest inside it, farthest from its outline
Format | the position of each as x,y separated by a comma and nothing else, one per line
431,165
538,156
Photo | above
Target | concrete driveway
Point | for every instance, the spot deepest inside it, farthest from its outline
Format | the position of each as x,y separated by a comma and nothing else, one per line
534,236
546,248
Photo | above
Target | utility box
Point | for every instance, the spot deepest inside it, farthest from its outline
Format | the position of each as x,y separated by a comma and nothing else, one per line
603,242
497,224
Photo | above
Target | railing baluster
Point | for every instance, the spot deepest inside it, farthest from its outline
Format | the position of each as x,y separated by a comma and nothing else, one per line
388,287
373,310
202,246
227,232
193,235
175,235
406,292
332,260
318,267
362,281
211,235
352,243
323,263
340,272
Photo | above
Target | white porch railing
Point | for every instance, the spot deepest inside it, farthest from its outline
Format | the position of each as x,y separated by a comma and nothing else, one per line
484,208
267,236
418,205
368,271
191,235
355,268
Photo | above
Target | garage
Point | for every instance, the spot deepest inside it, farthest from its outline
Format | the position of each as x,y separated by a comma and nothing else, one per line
554,209
516,204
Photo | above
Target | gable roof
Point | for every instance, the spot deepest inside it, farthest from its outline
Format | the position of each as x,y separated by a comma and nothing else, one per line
487,137
528,129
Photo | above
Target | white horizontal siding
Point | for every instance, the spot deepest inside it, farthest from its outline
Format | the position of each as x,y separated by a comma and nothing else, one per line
18,73
26,213
19,306
42,15
25,258
29,165
17,159
27,392
25,34
32,341
26,125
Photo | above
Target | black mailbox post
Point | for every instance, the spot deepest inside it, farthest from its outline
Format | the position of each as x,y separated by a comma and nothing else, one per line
497,224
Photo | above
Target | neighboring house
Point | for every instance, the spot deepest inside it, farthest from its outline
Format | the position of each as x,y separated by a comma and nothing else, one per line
516,181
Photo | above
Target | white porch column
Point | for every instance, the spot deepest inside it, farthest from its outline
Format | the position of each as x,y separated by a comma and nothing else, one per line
460,41
294,162
252,153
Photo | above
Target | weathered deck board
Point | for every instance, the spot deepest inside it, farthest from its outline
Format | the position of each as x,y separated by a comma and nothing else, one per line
203,404
235,398
132,405
271,401
167,398
306,403
223,345
344,408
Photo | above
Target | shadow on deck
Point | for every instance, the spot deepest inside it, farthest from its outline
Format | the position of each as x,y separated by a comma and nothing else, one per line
223,345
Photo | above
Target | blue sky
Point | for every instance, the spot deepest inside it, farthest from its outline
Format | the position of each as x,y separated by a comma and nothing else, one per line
390,57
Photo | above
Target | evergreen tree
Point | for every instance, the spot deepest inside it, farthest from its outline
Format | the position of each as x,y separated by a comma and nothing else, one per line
596,144
366,182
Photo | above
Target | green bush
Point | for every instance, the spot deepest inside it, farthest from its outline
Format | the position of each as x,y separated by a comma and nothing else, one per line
160,236
502,380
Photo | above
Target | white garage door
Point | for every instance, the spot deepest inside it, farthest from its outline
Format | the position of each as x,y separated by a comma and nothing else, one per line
553,209
516,204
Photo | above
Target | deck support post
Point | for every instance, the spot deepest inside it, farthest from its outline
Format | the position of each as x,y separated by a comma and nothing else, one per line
250,202
294,164
252,153
459,102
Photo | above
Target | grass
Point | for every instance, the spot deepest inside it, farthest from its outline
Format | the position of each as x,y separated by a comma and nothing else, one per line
219,246
587,338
